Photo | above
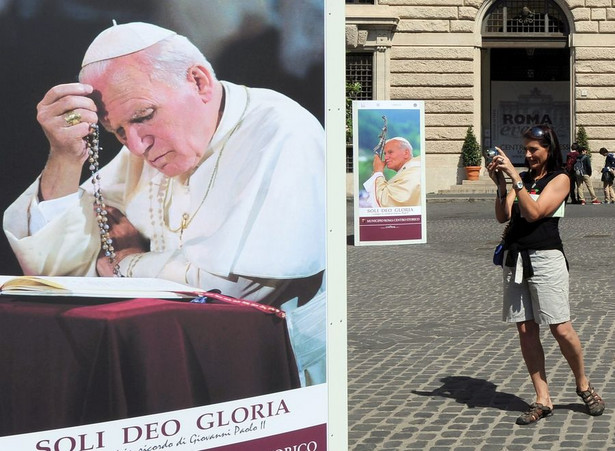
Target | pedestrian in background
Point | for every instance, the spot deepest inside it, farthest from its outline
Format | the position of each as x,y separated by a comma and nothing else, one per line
535,270
608,175
583,171
571,159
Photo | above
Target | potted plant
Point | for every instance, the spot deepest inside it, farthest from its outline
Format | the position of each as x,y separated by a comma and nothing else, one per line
471,155
583,141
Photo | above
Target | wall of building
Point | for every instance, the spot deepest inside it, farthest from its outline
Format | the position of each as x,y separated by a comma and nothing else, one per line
433,54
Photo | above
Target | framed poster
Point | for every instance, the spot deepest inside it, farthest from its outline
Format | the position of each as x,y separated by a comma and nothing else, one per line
138,374
389,176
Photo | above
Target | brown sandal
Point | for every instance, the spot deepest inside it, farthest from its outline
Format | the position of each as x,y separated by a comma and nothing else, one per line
535,413
593,401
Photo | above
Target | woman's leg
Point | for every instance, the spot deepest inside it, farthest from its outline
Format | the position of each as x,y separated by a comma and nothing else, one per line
533,354
570,345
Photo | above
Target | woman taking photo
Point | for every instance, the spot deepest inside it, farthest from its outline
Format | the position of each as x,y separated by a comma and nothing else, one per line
535,268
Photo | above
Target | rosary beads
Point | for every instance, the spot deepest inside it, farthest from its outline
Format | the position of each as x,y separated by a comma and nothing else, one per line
106,243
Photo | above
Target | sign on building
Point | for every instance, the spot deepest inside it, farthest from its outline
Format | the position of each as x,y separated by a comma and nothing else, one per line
516,105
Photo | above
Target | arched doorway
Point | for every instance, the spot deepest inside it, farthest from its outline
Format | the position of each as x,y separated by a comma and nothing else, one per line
526,72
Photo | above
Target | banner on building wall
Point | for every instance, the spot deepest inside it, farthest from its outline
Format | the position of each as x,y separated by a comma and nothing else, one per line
101,396
389,172
516,105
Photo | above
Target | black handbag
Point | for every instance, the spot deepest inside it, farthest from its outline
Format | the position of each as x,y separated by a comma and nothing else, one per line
607,175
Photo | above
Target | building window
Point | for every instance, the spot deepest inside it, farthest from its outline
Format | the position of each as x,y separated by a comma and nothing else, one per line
359,69
360,2
525,16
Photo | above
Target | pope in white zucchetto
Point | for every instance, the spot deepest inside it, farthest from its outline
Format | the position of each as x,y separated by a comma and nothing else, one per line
217,186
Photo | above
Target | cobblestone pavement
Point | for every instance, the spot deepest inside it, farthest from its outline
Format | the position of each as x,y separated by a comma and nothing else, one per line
432,366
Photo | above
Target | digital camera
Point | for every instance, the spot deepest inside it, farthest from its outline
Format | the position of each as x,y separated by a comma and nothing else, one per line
490,154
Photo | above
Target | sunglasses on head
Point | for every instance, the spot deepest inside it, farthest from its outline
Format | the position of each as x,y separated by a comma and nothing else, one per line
538,132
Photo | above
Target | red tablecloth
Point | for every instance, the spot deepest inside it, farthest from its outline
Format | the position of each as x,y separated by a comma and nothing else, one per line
64,362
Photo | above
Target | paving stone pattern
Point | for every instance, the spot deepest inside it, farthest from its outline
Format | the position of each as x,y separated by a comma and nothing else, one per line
432,366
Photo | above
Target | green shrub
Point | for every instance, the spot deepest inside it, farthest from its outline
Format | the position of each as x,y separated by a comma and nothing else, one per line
470,151
352,91
582,139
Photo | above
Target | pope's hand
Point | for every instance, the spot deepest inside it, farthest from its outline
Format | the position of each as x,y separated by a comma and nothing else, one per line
126,241
65,114
378,164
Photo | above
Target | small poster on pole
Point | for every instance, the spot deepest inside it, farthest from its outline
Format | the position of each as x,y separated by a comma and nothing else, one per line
389,172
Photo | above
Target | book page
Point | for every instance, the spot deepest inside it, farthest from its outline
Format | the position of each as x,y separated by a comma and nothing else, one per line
95,287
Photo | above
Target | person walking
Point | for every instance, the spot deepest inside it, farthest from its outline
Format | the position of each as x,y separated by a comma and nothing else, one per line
535,270
583,171
571,159
608,175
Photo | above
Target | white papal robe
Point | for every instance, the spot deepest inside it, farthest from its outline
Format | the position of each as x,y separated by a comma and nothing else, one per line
257,209
402,190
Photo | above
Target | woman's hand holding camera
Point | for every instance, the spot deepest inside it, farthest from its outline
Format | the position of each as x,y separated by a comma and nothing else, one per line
499,165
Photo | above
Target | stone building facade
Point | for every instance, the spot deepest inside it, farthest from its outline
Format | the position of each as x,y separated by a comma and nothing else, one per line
458,55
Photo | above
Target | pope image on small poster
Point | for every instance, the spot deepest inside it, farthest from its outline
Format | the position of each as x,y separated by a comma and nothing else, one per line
389,171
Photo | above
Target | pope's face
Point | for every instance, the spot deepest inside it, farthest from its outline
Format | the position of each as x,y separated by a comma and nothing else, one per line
169,127
395,156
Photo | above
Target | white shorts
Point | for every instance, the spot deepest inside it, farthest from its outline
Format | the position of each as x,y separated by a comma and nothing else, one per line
542,297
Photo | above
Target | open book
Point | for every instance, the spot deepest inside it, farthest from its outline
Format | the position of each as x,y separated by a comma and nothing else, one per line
102,287
119,287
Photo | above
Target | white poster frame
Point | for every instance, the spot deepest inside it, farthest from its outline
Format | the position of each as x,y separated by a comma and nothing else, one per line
401,222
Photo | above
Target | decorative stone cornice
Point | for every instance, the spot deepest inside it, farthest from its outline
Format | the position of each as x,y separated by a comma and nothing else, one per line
370,25
371,16
373,22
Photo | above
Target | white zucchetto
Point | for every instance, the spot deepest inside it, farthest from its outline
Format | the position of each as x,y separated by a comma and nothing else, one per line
124,39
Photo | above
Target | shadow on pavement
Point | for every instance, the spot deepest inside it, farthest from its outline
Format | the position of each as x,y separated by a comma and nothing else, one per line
578,407
475,393
481,393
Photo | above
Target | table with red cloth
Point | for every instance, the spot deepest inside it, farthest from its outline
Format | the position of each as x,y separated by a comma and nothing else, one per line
72,361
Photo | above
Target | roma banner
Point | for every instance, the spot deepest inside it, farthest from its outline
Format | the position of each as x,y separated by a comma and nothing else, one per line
516,105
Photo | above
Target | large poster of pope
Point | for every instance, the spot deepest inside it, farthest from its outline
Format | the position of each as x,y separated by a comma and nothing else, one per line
179,141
